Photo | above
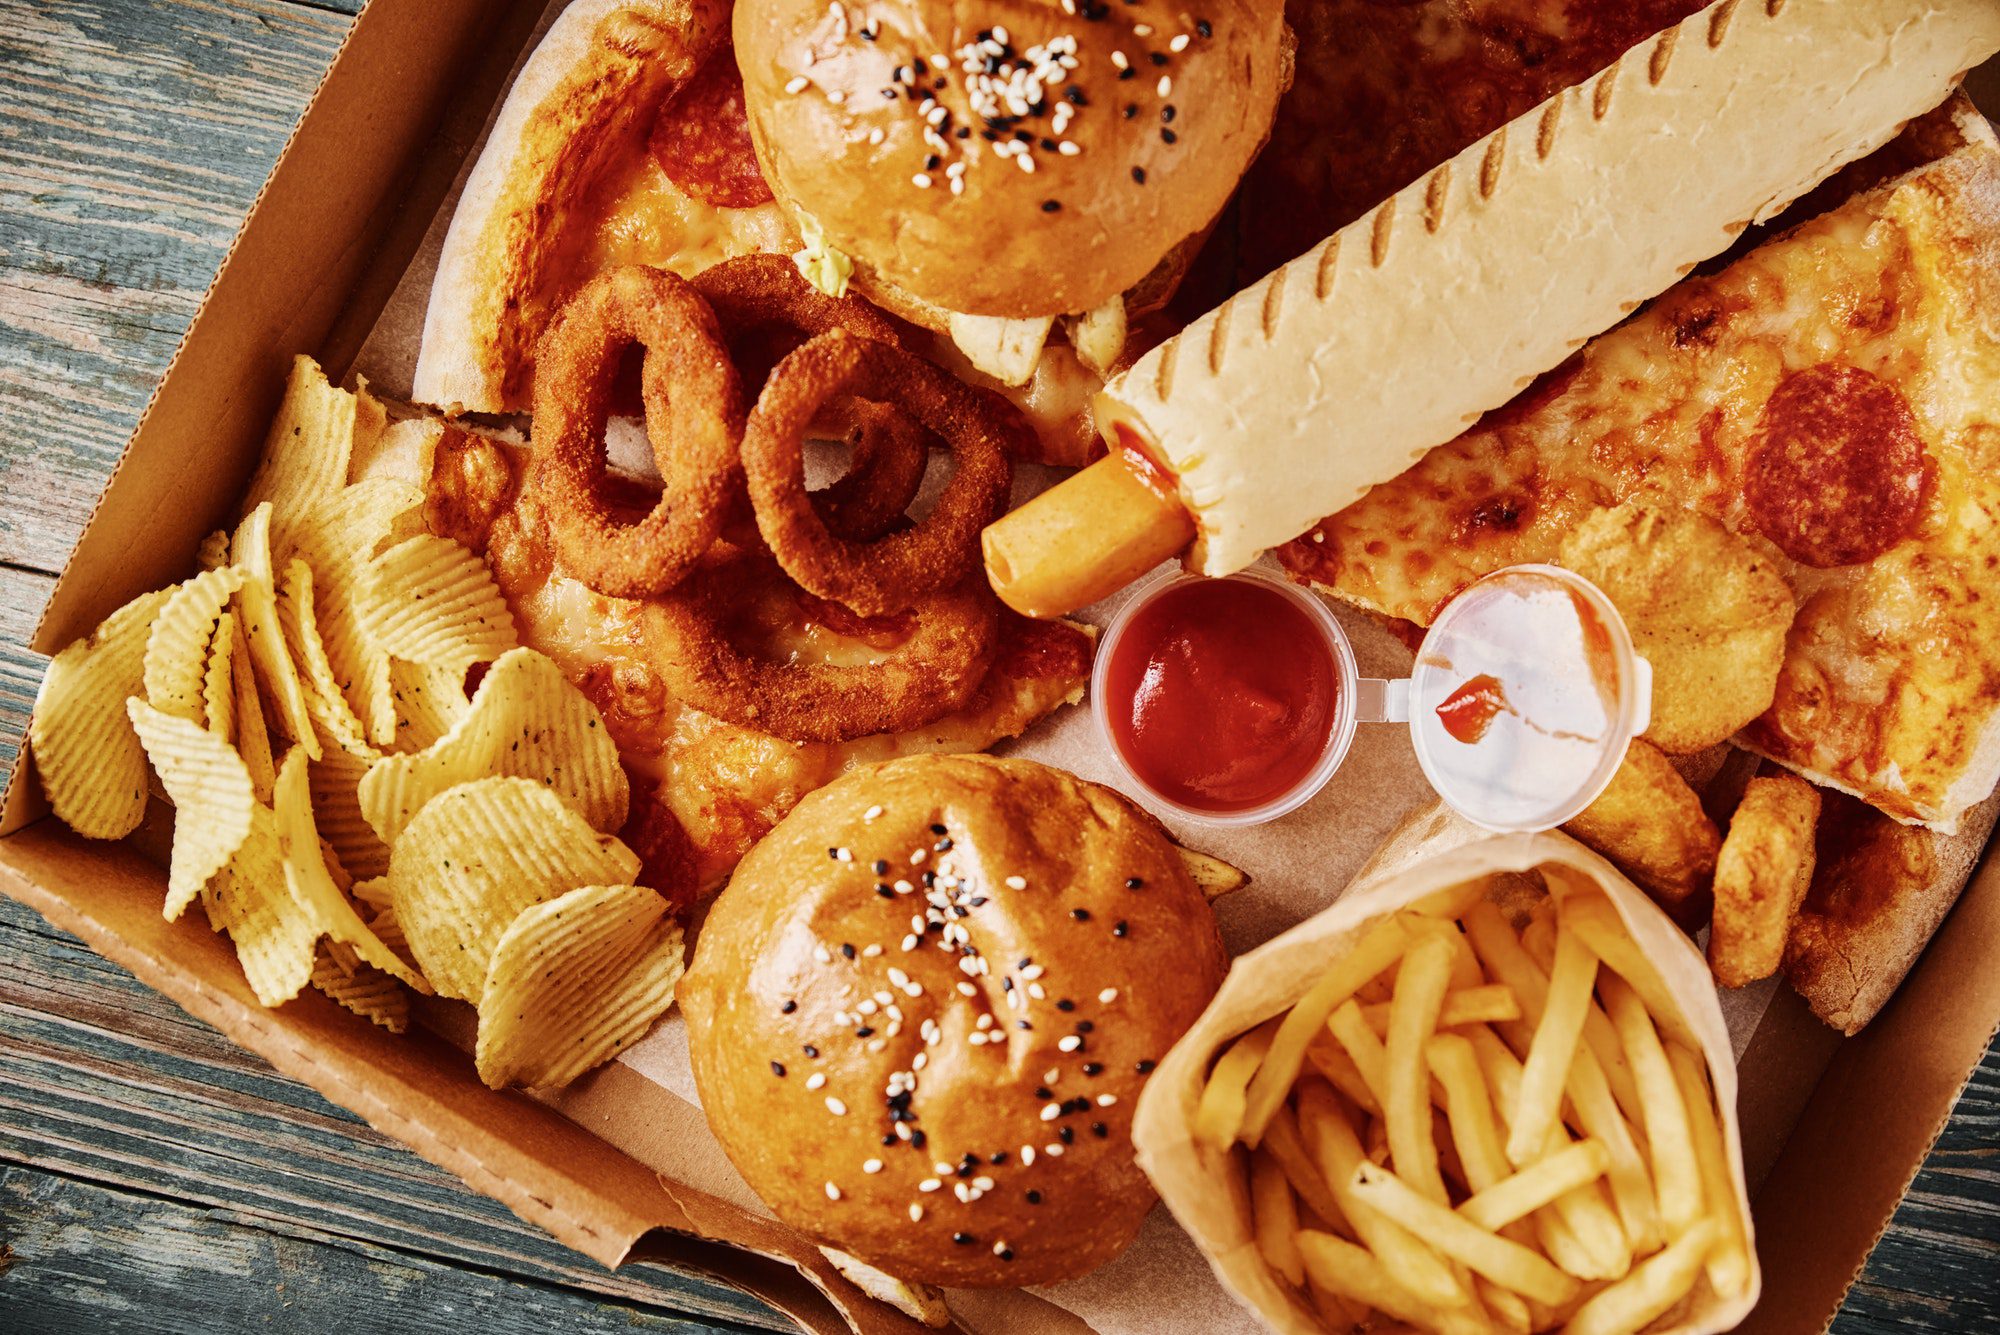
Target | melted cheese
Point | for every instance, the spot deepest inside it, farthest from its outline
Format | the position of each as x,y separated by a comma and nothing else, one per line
647,219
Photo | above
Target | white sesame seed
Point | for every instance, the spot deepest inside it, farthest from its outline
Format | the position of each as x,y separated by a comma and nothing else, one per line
817,1080
916,1214
921,180
876,1044
872,949
837,96
967,990
1032,972
917,857
1000,1249
1106,1100
902,1130
871,1165
1179,44
1000,36
875,136
1118,59
1053,1149
835,1106
982,1183
1108,995
873,813
1027,1156
1165,85
929,1184
1051,1111
1070,1043
941,1168
963,1192
913,989
832,1192
984,1022
1038,992
1019,882
939,60
797,84
1052,1076
1069,148
918,1063
1142,30
898,977
910,942
822,954
978,1040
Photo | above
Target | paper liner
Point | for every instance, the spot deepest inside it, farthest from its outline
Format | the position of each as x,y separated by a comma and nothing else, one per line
1207,1191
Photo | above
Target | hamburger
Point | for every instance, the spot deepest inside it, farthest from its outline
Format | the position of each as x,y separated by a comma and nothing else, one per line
922,1012
1059,162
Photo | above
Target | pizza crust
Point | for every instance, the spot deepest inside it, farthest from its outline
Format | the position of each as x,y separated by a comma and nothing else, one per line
581,104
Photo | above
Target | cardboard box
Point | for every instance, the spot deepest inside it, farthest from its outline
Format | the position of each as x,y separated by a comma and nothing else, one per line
1834,1129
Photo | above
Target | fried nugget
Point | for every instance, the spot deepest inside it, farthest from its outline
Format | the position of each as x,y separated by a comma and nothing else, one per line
1761,877
1650,823
1707,608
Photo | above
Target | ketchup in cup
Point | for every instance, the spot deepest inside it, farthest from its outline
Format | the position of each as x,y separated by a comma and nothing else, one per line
1232,701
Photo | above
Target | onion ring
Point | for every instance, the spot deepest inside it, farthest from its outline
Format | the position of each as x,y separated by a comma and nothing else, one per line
952,642
893,572
694,419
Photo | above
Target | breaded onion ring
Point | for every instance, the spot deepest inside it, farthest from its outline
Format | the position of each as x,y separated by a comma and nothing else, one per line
893,572
950,645
694,418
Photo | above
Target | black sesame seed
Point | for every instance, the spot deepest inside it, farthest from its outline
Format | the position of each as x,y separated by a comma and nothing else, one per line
1049,146
942,846
1127,73
1093,1068
865,1031
1022,1024
920,67
1024,962
1067,1135
1081,915
965,1170
929,879
997,1158
978,901
988,136
789,1007
1167,112
1006,982
1076,97
1131,110
847,949
1121,929
1159,57
889,1138
833,853
917,1139
884,891
1006,1253
1084,1026
1134,883
1168,136
811,1051
1065,1005
963,1239
1034,1198
1204,27
1146,1066
933,162
881,866
1044,1092
889,93
1099,1130
962,132
778,1069
1075,1106
1139,176
1051,205
938,829
939,84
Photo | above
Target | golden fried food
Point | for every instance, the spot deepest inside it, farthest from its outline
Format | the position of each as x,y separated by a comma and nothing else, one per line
1651,824
1761,877
1707,609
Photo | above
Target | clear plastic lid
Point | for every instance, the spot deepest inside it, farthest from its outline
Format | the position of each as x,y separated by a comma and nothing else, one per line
1525,695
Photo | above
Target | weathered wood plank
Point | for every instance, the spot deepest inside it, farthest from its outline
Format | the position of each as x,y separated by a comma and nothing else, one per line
105,1081
84,1257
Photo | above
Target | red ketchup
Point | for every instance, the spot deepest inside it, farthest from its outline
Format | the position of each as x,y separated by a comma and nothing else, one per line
1470,710
1221,694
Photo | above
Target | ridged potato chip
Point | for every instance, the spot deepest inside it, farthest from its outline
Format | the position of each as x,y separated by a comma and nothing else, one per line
475,857
275,937
429,702
335,780
218,686
92,768
177,649
432,601
575,981
210,788
312,441
312,882
386,926
526,721
257,611
337,536
374,892
340,729
253,737
365,990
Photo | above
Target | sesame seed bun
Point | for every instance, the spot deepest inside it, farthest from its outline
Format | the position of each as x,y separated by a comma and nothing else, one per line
1079,918
1157,142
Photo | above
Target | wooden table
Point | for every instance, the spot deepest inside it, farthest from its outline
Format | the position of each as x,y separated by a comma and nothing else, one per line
152,1175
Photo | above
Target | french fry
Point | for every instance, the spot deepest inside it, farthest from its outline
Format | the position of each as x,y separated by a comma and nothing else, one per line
1333,1062
1219,1116
1475,1130
1630,1179
1284,1144
1591,916
1654,1285
1336,1311
1508,1308
1465,970
1451,902
1484,1253
1379,947
1414,1266
1676,1175
1406,1105
1553,1049
1356,1275
1274,1217
1536,1185
1483,1003
1728,1261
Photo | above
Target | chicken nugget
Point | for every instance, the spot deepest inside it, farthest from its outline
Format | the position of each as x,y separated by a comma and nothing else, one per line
1707,608
1650,823
1761,877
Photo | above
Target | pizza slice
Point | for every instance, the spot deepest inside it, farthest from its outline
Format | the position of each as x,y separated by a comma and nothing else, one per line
715,788
1834,394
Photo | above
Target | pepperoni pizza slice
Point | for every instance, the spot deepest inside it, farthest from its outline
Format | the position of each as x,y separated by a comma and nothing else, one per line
1835,393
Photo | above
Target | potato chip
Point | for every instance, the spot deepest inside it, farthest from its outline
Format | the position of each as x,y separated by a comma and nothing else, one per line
526,721
374,892
335,779
92,767
252,737
429,702
326,702
1651,824
1761,877
432,601
177,649
1707,608
311,441
475,857
574,982
312,882
337,536
387,927
210,788
218,688
365,990
257,612
213,553
274,936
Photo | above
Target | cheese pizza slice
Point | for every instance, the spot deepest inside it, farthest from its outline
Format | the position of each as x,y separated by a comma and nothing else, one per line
715,788
1834,394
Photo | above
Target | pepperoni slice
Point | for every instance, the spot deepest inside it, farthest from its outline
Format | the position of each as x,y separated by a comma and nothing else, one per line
701,138
1838,474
